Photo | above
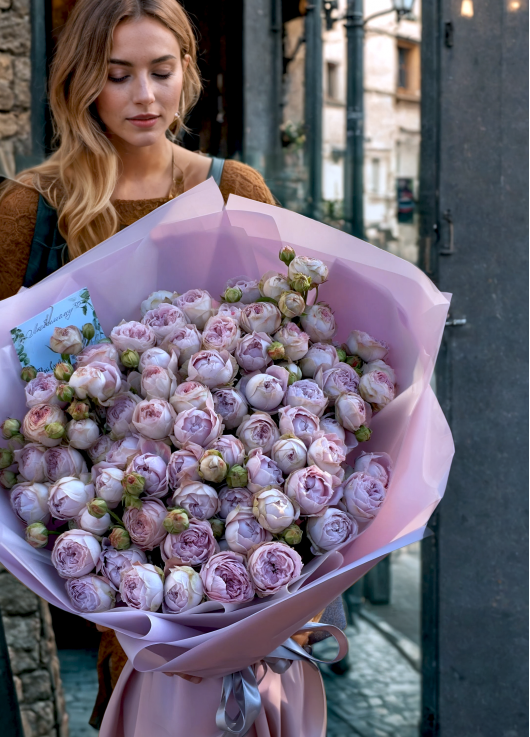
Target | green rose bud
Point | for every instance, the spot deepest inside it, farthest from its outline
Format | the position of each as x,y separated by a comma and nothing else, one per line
28,373
237,477
6,458
133,483
78,410
341,354
65,393
119,538
55,430
63,371
105,340
292,535
88,331
232,294
218,527
354,361
16,442
176,520
160,573
300,283
7,479
212,467
276,351
129,500
10,427
97,507
130,358
363,433
287,254
37,535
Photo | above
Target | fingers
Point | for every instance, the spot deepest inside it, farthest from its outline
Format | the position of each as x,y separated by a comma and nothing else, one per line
191,679
101,628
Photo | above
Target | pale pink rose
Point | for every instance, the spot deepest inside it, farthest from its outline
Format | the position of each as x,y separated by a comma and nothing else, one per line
153,469
122,452
258,431
273,566
379,365
145,525
312,267
363,345
154,418
184,464
221,333
306,393
331,531
198,499
185,341
231,405
294,340
274,510
289,454
298,421
212,368
262,471
231,309
67,340
199,426
162,296
229,499
154,357
378,465
328,452
63,461
260,317
98,451
266,391
350,411
100,352
313,489
142,587
243,531
30,461
249,288
330,424
75,553
164,320
29,502
35,421
319,355
363,496
98,380
69,497
198,306
120,410
90,594
133,335
337,380
41,390
319,323
273,285
191,395
232,449
376,388
96,525
107,483
251,352
225,578
158,382
183,590
192,547
112,562
82,434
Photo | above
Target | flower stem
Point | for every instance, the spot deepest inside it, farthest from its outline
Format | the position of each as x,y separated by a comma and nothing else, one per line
115,517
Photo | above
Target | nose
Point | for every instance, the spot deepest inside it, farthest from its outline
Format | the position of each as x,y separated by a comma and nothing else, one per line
143,90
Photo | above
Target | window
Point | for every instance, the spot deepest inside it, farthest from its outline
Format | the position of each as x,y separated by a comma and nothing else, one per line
403,67
376,174
332,80
408,68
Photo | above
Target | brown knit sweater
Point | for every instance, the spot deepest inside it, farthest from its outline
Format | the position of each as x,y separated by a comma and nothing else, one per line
18,215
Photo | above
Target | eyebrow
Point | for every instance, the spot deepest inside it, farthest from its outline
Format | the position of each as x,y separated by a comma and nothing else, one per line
160,59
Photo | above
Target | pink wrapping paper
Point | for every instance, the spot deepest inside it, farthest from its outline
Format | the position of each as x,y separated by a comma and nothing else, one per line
194,241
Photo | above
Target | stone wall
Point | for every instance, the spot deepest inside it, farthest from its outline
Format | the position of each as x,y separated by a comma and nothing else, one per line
15,71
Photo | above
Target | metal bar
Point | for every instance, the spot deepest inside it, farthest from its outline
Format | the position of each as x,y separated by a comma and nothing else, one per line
313,106
39,70
354,160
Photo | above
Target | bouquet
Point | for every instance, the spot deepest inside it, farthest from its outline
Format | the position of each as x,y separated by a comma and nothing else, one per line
238,452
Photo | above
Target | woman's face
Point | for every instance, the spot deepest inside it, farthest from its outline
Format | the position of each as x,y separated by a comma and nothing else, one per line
144,83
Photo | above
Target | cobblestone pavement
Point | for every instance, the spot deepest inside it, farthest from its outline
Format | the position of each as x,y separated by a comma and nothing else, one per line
80,683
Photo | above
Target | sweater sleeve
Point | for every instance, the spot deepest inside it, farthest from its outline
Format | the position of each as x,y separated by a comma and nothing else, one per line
243,180
18,215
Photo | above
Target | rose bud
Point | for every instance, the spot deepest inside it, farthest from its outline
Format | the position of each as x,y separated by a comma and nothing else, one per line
276,351
133,335
289,453
191,547
212,368
28,373
379,365
330,425
355,362
176,520
232,294
199,426
243,531
133,484
8,479
291,304
191,395
319,355
113,561
363,496
183,464
78,410
221,333
152,357
121,452
338,380
273,566
212,467
63,461
183,590
218,527
90,594
376,388
300,283
157,298
274,510
17,442
319,323
292,535
30,461
64,393
69,497
96,525
153,469
327,452
63,371
378,465
258,431
98,380
6,458
75,553
262,471
130,358
272,285
226,579
82,433
313,489
120,539
88,331
363,434
266,391
157,382
261,317
154,418
306,393
29,501
67,341
294,340
146,525
199,500
237,477
98,451
36,535
197,305
10,427
249,288
341,355
185,341
331,531
368,348
54,430
97,508
350,411
142,587
36,420
287,254
229,499
232,450
107,484
164,320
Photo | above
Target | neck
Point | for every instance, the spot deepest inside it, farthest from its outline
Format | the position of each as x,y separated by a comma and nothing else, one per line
146,162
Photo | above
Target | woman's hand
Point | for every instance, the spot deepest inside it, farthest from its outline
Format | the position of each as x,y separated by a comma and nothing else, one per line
303,638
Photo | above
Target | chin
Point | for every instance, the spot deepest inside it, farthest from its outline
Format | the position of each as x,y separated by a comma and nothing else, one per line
141,139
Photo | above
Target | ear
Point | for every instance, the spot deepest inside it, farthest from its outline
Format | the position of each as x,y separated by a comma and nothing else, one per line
185,61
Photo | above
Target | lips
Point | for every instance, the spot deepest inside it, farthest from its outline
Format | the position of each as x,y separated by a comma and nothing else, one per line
144,121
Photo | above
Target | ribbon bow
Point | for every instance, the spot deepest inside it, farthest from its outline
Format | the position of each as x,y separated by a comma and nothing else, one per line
244,686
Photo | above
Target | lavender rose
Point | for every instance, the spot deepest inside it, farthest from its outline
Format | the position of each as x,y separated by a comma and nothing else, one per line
313,489
121,452
212,368
331,530
199,500
251,352
68,497
306,393
67,340
29,502
262,471
248,287
231,449
35,421
273,284
75,553
243,531
112,562
163,320
379,365
146,525
266,391
221,333
183,590
133,335
162,296
319,323
299,421
41,390
258,431
186,341
107,483
98,451
330,425
196,426
319,355
90,594
191,395
289,454
231,406
272,566
294,340
363,496
378,465
63,461
184,464
307,266
232,310
120,410
98,380
229,499
154,418
157,382
192,547
154,357
260,317
142,587
153,469
274,510
328,452
338,380
82,434
226,579
30,461
101,352
376,388
350,411
96,525
198,306
363,345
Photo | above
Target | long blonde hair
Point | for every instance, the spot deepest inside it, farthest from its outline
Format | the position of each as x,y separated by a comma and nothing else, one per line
80,176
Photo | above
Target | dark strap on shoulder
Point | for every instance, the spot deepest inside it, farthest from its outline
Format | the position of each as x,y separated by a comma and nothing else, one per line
216,169
48,248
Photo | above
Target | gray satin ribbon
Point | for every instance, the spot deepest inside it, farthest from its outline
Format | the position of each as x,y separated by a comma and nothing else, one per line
244,686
